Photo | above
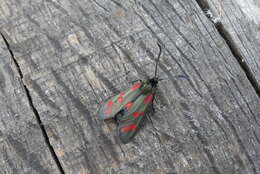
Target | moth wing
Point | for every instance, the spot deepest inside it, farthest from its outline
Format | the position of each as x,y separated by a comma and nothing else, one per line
117,103
129,120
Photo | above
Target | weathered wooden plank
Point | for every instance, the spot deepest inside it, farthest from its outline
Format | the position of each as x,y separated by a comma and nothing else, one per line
240,19
251,8
22,147
74,54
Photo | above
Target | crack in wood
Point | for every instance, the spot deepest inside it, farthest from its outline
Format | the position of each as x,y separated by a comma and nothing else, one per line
203,4
36,113
226,35
237,54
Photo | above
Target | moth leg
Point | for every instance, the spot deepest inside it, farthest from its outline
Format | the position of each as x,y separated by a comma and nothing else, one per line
153,107
153,111
152,122
153,104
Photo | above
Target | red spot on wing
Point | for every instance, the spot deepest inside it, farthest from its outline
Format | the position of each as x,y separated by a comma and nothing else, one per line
136,86
129,105
109,107
138,114
121,98
148,99
129,128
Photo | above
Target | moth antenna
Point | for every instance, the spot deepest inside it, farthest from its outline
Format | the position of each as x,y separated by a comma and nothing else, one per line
178,76
158,58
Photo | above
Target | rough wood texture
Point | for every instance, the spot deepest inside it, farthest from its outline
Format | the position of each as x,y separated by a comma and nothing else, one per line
251,9
241,20
22,147
75,54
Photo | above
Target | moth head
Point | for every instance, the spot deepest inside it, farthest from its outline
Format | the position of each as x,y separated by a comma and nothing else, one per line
154,81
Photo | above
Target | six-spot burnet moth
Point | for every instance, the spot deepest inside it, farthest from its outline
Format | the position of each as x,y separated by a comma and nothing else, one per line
129,107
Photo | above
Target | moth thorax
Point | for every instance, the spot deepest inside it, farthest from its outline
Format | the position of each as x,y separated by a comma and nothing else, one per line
146,88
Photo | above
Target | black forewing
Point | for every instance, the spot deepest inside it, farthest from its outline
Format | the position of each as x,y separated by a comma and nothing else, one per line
129,120
117,103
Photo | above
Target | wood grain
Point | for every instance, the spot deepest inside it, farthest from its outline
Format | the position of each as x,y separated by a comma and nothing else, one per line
22,146
75,54
240,19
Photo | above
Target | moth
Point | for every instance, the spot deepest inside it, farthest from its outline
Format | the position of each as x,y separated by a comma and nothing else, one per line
128,108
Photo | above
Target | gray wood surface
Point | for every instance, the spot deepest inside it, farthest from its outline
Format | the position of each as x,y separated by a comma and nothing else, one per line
22,148
241,20
75,54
